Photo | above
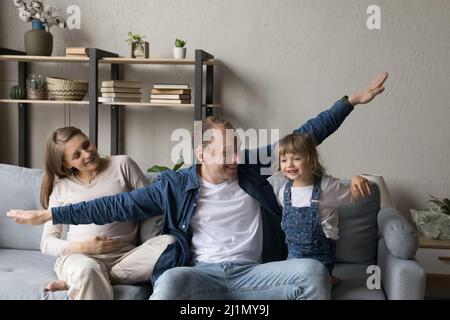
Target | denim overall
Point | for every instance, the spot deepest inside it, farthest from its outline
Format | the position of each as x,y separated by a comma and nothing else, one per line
304,234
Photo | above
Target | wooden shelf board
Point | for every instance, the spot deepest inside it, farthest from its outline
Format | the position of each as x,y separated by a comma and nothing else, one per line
161,61
143,104
432,243
42,59
42,101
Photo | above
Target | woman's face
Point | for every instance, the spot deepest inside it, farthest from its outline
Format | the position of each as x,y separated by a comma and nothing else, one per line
81,154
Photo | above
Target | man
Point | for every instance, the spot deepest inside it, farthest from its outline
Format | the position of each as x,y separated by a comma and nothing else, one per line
225,218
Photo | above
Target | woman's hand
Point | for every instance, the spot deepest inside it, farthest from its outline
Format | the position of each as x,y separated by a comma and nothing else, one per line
96,245
30,216
359,187
374,89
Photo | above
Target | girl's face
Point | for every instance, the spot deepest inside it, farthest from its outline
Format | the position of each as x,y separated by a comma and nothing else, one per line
81,154
295,166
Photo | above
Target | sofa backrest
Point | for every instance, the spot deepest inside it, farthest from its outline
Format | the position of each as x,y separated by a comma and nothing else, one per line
20,189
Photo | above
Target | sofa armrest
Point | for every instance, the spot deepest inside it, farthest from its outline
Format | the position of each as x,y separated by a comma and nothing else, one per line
401,279
400,237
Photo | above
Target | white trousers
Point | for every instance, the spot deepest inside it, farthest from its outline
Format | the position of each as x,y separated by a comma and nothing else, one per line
90,277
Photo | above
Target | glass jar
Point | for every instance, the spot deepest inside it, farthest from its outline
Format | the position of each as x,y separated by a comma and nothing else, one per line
36,87
139,51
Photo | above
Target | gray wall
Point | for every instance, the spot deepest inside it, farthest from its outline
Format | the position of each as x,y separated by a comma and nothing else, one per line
283,62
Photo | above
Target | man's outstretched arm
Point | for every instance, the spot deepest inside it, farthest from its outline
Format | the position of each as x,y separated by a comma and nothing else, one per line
324,124
138,204
328,121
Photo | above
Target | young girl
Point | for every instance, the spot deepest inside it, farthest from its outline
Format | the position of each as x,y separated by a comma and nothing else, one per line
93,256
310,200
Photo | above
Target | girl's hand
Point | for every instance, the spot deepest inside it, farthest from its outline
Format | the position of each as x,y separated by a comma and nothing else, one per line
30,216
96,245
359,187
374,89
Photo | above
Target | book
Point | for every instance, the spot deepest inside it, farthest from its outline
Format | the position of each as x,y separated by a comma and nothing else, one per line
121,84
170,86
109,99
121,95
171,91
118,89
170,101
76,56
171,96
77,50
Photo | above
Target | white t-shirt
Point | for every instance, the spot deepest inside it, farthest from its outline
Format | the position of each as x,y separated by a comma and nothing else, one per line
121,174
333,193
227,224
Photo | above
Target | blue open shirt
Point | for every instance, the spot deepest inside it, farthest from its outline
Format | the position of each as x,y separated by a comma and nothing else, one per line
175,195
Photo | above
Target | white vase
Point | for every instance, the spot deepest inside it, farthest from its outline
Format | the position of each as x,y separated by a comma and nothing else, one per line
179,53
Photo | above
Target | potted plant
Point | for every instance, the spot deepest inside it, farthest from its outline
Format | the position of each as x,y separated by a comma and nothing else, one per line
179,51
434,223
139,47
38,40
176,167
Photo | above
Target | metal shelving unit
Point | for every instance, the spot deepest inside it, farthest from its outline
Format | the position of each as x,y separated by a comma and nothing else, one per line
96,57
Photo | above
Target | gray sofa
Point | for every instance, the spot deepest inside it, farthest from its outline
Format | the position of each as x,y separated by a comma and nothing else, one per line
368,236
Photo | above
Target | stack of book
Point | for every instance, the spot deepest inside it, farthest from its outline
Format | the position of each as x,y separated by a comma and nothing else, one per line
120,91
77,52
170,94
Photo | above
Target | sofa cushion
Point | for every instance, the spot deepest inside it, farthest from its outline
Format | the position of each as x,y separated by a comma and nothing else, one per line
25,273
358,231
354,283
20,190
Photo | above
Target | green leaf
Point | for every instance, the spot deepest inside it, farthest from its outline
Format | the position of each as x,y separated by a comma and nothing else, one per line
178,165
157,169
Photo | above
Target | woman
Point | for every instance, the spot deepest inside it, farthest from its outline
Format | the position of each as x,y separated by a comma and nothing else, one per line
93,256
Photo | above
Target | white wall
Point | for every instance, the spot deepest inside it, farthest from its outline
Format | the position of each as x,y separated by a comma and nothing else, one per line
283,62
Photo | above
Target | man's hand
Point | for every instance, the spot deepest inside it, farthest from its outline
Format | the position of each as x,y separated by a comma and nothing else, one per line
359,187
96,245
374,89
30,216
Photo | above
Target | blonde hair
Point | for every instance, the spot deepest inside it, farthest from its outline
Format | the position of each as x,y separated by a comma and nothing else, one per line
54,161
304,145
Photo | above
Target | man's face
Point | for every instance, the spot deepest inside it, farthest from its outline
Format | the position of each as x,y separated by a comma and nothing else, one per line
220,156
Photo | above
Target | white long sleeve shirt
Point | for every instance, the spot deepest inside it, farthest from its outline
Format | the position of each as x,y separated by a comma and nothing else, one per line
121,174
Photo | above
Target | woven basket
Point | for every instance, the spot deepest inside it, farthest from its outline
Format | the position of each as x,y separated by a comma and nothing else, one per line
66,89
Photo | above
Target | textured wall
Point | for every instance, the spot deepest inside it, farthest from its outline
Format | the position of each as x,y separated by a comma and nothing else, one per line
284,61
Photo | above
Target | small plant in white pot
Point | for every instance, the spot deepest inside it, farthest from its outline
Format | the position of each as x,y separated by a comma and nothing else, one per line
179,51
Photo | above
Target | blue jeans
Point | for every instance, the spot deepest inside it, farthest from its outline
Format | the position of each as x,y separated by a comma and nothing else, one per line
293,279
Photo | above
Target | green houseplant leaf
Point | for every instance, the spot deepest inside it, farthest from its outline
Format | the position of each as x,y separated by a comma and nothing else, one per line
179,43
176,167
157,169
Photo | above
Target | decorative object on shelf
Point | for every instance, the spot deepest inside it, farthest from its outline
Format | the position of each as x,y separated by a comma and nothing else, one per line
38,41
385,195
36,87
139,47
17,93
66,89
176,167
434,223
179,51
